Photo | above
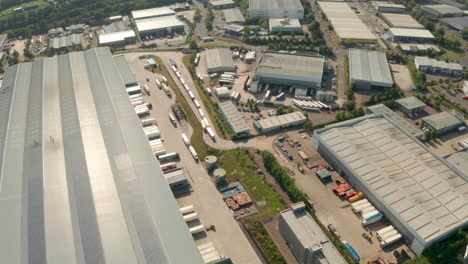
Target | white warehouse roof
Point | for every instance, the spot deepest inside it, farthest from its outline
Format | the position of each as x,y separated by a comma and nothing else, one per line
234,118
80,183
411,33
110,38
369,66
219,60
400,21
419,189
345,22
157,23
152,12
233,15
275,4
280,121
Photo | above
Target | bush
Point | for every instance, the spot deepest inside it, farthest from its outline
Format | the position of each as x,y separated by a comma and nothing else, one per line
258,231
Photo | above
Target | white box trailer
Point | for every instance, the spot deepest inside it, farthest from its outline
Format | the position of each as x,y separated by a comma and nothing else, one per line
182,81
158,83
136,96
136,102
142,111
134,90
192,96
203,124
200,111
178,74
186,87
211,133
357,208
384,230
208,91
147,89
363,201
387,235
207,123
390,240
168,156
173,68
196,61
193,152
372,217
197,229
153,133
197,104
148,122
187,209
191,217
366,210
164,79
185,139
156,141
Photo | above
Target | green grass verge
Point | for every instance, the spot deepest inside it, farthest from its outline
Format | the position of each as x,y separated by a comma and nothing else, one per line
10,10
220,124
259,233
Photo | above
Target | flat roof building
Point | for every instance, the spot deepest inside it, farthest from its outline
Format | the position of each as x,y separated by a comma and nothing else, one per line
385,7
423,196
153,12
369,69
305,238
299,70
453,3
281,121
116,26
402,123
411,106
233,30
444,122
65,41
159,26
55,32
117,39
3,41
219,60
442,10
125,71
233,16
276,9
458,23
79,180
411,35
222,4
76,28
284,25
234,118
345,22
400,21
433,66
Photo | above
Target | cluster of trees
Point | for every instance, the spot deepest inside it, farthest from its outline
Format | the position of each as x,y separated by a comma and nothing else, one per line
264,240
209,19
197,16
465,34
356,112
70,12
5,4
305,44
429,135
391,94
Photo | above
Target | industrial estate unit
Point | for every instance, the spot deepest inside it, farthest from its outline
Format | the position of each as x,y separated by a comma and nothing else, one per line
157,22
79,180
234,118
276,9
444,122
219,60
422,195
299,70
369,69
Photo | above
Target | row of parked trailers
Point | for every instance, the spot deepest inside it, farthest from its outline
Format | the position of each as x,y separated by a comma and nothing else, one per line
190,214
303,104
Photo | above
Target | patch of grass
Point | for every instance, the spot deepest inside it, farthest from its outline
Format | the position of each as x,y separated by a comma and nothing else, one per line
258,231
197,137
10,10
220,124
451,55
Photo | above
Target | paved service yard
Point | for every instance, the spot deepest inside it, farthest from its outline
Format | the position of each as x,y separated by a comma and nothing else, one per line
447,144
228,238
330,208
401,76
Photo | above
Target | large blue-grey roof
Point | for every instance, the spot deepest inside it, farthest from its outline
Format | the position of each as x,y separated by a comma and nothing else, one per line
78,180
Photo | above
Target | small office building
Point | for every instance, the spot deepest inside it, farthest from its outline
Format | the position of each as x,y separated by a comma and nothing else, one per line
288,25
433,66
411,106
444,122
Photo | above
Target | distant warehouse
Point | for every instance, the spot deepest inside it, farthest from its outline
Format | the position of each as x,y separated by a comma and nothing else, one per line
458,23
281,121
234,16
433,66
411,35
284,25
444,122
384,7
117,39
305,238
159,26
222,4
400,21
423,196
65,41
276,9
369,69
304,72
442,10
234,118
153,12
219,60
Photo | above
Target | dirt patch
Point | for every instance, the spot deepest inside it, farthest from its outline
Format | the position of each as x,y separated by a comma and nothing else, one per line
402,76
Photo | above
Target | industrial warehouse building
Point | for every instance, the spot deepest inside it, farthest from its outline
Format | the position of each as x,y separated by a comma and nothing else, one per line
234,16
369,69
276,9
411,106
222,4
153,12
400,21
80,182
433,66
347,25
384,7
117,39
281,121
219,60
411,35
234,118
159,26
3,41
444,122
125,71
284,25
299,70
442,10
421,194
457,23
65,41
305,238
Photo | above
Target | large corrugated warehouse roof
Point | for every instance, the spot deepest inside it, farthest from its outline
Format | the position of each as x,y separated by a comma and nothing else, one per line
402,123
281,121
157,23
152,12
65,41
79,182
125,71
234,117
418,187
219,58
369,66
275,4
444,119
458,23
345,22
442,10
400,20
411,32
117,26
233,15
111,38
287,66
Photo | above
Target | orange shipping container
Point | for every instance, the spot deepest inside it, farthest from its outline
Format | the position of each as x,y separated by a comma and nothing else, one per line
356,197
